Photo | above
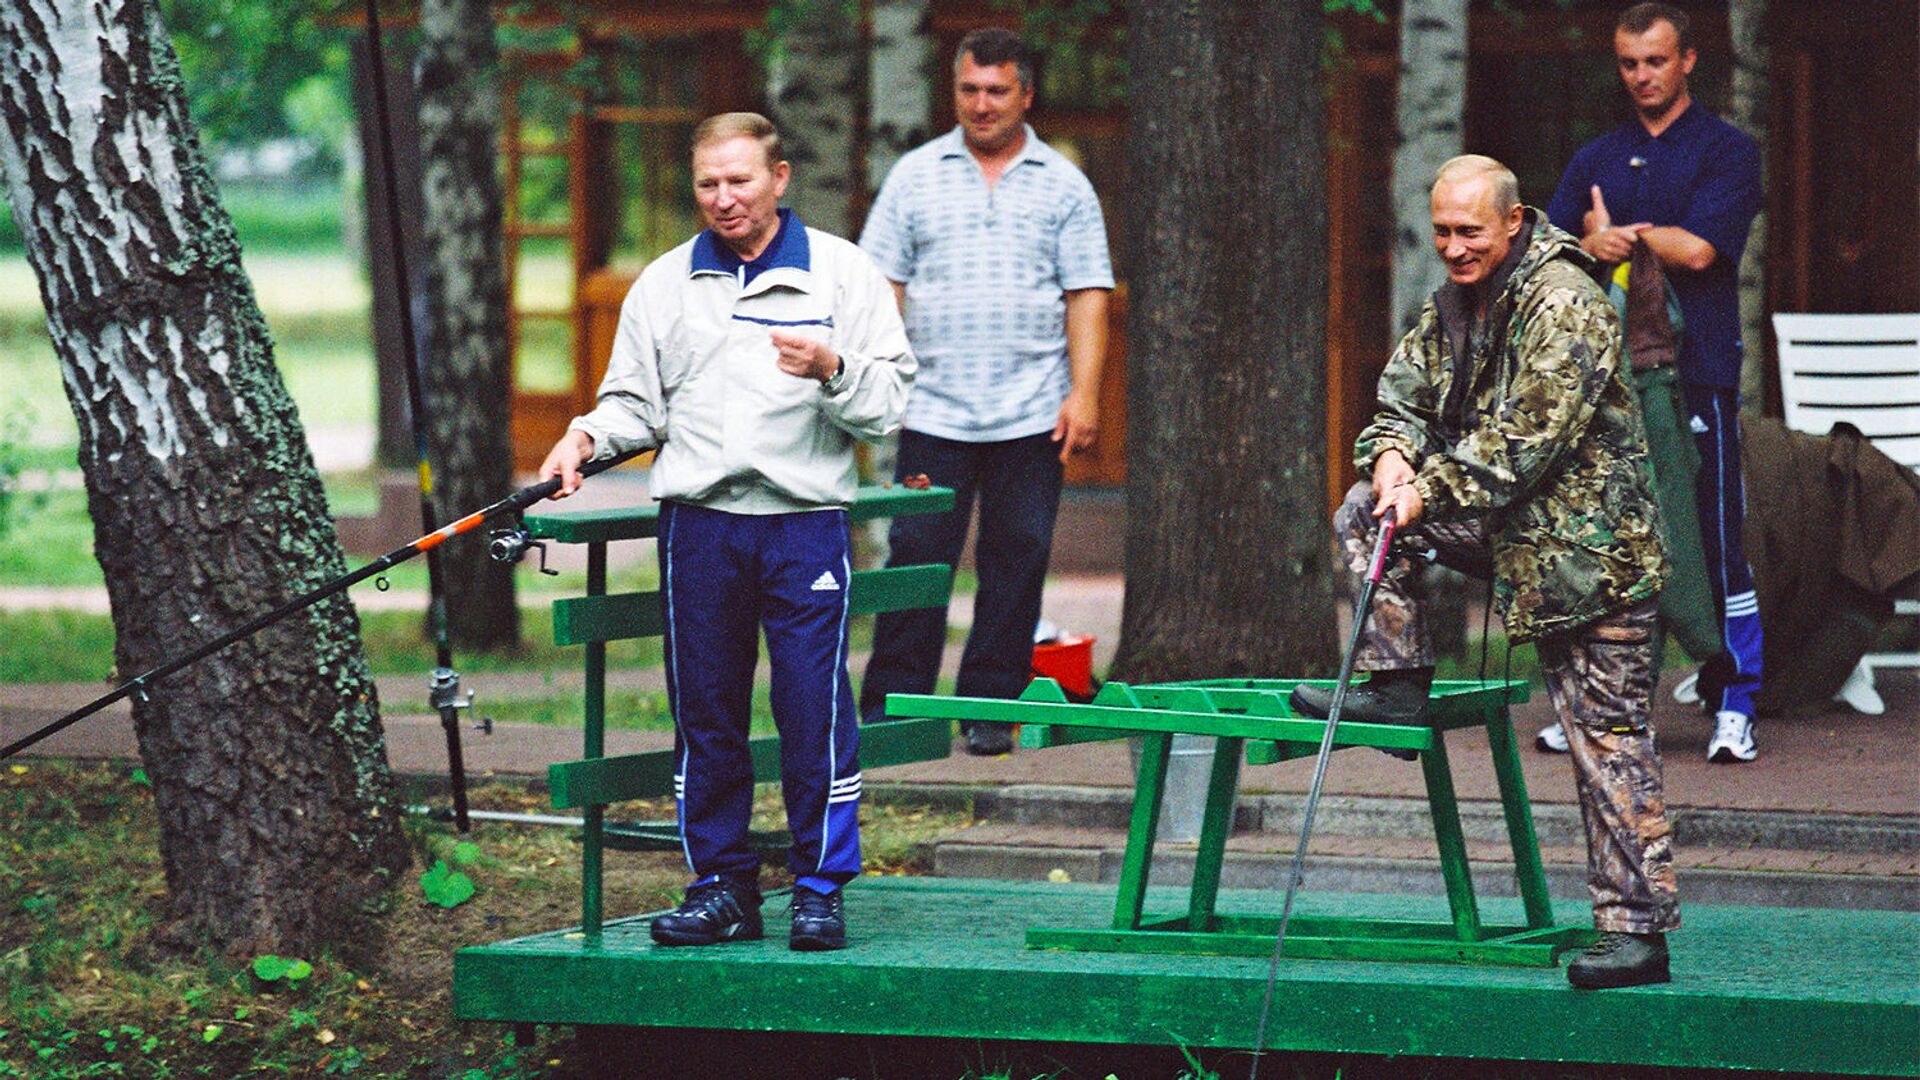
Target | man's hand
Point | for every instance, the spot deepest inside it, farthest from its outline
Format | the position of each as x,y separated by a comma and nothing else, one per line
1078,426
1393,490
804,358
574,449
1603,240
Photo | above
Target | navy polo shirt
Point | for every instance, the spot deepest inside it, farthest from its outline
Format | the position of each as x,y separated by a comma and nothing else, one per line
1702,174
788,247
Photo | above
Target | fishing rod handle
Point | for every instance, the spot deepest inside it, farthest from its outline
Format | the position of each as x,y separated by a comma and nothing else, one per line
1378,566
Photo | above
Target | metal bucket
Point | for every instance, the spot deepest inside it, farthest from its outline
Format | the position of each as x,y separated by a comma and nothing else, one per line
1189,768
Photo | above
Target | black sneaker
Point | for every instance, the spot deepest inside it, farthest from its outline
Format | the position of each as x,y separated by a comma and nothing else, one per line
819,920
1398,697
713,912
989,739
1620,959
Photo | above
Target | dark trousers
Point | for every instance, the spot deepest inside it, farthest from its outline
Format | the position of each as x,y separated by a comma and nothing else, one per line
724,577
1017,484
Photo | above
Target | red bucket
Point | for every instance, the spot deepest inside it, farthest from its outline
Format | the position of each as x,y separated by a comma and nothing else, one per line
1067,661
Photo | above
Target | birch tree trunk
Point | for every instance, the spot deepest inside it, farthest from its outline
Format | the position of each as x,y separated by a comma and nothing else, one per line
1432,102
814,88
1227,554
276,809
467,377
901,73
1746,25
900,81
1433,98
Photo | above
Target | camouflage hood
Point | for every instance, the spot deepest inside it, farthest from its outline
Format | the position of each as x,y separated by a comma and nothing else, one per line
1532,425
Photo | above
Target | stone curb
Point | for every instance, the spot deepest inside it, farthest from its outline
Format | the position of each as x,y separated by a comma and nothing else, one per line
1248,870
1557,824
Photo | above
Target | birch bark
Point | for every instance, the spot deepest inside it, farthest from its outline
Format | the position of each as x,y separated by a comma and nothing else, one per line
814,92
276,809
1746,25
467,377
1433,90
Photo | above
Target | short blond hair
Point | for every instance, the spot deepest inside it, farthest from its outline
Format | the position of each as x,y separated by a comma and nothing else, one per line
738,125
1505,186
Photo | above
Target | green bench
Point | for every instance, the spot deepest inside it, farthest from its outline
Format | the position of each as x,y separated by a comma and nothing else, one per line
1252,717
593,620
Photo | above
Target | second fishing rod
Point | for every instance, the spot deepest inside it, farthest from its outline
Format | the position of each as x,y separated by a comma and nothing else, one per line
509,544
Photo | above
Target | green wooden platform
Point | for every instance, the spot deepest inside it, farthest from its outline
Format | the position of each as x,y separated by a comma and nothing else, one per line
1754,988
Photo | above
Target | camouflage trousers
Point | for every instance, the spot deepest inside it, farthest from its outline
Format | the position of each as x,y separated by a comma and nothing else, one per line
1600,678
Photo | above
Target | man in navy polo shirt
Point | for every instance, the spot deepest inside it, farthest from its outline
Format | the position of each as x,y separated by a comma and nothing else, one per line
1688,183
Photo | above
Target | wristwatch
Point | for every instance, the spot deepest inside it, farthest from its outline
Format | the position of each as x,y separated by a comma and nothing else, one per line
833,383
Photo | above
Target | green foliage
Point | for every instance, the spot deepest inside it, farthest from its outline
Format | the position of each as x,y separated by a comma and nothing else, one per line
15,425
243,60
269,968
767,43
445,886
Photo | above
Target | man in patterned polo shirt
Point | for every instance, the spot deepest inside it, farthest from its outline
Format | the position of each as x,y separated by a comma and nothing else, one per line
997,251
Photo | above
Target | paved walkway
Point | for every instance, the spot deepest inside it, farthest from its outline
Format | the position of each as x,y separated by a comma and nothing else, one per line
1833,762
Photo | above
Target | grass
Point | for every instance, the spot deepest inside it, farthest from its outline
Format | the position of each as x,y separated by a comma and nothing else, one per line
85,991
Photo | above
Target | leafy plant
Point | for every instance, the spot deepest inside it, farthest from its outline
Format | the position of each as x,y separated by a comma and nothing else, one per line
445,886
269,968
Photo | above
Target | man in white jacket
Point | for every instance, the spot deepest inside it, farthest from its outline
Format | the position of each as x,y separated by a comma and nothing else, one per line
752,357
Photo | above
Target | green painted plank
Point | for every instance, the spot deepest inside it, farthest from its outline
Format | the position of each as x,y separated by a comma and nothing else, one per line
1136,867
583,620
1451,841
638,522
598,781
1162,720
1298,946
1754,988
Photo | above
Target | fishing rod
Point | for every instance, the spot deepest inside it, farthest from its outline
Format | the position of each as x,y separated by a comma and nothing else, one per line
508,544
443,687
1297,872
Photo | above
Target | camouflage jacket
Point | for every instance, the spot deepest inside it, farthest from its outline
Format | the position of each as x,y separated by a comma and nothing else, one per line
1543,437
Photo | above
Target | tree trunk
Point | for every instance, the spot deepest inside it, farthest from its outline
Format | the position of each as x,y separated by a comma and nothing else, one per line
900,80
467,379
277,813
1227,538
1432,101
1433,97
1746,25
814,95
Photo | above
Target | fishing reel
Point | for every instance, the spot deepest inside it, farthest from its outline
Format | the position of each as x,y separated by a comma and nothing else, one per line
511,543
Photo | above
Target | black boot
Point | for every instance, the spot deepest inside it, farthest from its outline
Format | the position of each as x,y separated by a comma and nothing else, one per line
819,920
1389,697
713,911
1620,959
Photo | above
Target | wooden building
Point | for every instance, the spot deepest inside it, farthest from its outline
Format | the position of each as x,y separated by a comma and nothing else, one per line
595,152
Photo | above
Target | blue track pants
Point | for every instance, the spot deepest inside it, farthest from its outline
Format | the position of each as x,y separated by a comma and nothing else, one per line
725,577
1730,680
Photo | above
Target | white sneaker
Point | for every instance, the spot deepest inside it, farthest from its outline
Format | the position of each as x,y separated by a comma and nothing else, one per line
1858,693
1552,739
1732,738
1687,692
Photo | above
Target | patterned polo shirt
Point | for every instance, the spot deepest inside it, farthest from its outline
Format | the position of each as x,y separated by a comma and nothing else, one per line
986,271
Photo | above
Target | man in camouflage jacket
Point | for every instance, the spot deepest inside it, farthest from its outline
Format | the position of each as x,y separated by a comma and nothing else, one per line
1508,442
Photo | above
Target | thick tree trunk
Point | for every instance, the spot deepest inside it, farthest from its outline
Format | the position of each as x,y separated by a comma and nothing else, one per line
467,376
1746,24
814,87
1227,537
1433,97
277,812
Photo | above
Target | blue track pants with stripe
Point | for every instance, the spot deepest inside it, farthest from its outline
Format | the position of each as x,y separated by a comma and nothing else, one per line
1730,680
724,578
